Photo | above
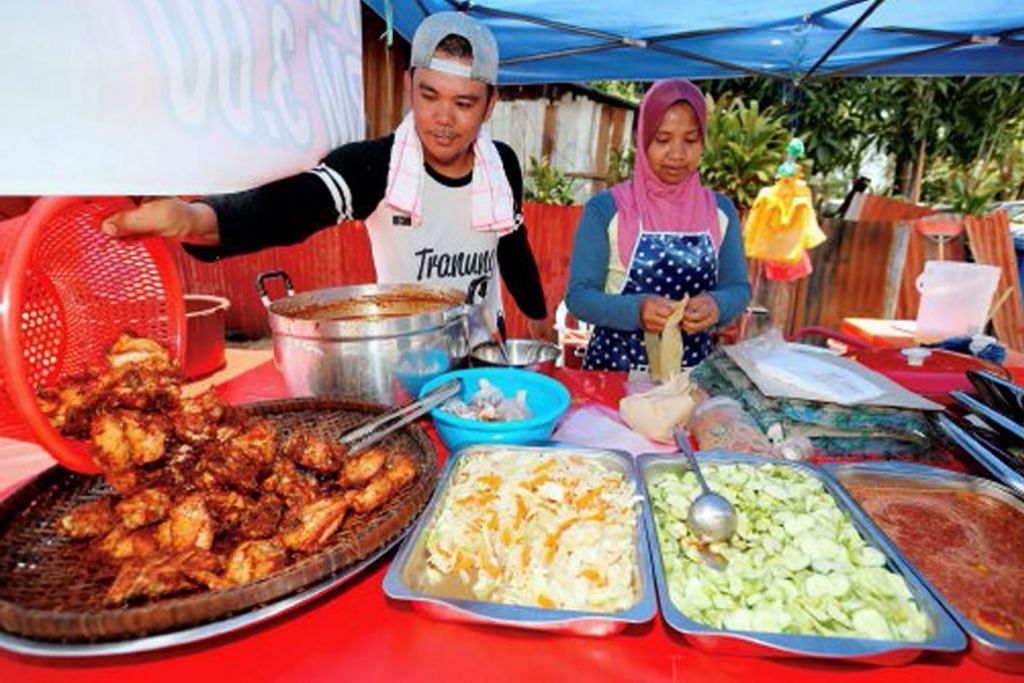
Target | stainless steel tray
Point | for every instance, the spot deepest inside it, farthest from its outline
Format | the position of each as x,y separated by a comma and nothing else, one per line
945,636
38,648
984,457
988,649
399,584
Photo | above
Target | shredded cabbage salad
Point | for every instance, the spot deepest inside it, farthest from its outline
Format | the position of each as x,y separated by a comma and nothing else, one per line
546,529
796,563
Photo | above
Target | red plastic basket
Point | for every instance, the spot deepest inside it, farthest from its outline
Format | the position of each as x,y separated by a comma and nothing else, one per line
66,291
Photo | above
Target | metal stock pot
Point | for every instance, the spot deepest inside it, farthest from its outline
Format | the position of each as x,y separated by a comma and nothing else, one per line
377,343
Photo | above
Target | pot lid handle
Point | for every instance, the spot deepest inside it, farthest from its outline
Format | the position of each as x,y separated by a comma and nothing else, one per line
261,287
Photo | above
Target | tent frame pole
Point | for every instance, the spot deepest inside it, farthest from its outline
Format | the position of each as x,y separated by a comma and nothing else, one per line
982,39
836,45
938,49
956,40
623,41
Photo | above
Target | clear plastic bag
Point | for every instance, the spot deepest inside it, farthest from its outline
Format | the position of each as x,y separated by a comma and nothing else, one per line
721,424
797,448
489,405
514,408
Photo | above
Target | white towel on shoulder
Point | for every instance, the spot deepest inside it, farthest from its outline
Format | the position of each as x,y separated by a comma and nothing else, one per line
491,193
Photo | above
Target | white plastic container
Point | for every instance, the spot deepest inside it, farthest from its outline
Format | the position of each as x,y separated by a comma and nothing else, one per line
955,298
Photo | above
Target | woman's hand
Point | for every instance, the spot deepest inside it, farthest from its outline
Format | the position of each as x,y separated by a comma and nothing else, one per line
701,313
654,311
171,218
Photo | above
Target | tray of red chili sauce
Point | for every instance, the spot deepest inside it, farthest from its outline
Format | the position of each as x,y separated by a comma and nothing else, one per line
964,536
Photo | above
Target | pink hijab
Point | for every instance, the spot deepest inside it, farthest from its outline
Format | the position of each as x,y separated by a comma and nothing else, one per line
687,207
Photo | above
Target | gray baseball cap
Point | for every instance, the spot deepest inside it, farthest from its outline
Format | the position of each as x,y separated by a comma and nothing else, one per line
437,27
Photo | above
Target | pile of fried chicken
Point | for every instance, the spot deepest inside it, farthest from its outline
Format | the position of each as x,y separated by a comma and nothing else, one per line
207,496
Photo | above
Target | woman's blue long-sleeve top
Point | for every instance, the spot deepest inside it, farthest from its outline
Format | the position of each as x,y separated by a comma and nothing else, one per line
586,298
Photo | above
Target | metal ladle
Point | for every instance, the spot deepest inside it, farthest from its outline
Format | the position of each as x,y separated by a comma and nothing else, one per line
711,517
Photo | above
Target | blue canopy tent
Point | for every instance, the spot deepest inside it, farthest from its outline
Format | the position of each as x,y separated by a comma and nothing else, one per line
545,41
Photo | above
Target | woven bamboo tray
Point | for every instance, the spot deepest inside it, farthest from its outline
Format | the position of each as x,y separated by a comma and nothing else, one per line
48,594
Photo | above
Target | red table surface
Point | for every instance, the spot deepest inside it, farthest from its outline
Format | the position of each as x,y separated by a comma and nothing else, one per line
357,633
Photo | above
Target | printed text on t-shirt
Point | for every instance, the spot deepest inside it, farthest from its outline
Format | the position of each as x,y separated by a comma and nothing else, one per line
459,264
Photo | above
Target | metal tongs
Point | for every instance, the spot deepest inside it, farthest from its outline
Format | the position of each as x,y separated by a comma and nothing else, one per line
374,431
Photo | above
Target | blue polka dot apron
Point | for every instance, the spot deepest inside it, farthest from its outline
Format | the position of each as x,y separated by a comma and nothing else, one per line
668,264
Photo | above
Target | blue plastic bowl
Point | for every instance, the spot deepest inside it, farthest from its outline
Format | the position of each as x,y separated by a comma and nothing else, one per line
547,399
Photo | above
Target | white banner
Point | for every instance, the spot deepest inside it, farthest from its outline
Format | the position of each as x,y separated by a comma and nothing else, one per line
147,97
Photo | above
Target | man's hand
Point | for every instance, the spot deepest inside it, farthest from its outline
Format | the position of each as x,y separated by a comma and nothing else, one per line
654,312
171,218
542,330
701,313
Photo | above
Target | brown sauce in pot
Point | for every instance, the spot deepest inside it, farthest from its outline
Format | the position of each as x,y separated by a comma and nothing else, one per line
397,303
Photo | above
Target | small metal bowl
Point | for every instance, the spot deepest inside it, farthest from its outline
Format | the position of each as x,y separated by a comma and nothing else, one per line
525,354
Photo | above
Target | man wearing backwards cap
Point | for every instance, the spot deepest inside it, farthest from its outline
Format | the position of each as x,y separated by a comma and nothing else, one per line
440,199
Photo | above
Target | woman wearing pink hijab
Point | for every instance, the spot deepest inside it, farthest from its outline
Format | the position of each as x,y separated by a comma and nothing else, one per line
660,236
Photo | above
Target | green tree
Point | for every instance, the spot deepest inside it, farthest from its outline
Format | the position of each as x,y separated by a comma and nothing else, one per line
631,91
744,147
546,184
965,133
958,123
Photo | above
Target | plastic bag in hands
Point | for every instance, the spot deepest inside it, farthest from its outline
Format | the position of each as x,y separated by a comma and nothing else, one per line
665,349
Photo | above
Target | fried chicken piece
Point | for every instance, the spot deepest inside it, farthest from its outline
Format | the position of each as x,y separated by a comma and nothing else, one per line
69,408
262,519
178,471
316,454
238,458
176,474
88,520
139,389
138,374
125,482
188,525
253,560
399,474
164,573
295,487
308,528
256,443
204,568
228,507
130,482
129,349
146,507
358,470
125,439
122,544
219,468
150,578
198,417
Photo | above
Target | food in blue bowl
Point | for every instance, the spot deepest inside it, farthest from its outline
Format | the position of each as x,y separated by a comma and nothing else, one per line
545,399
